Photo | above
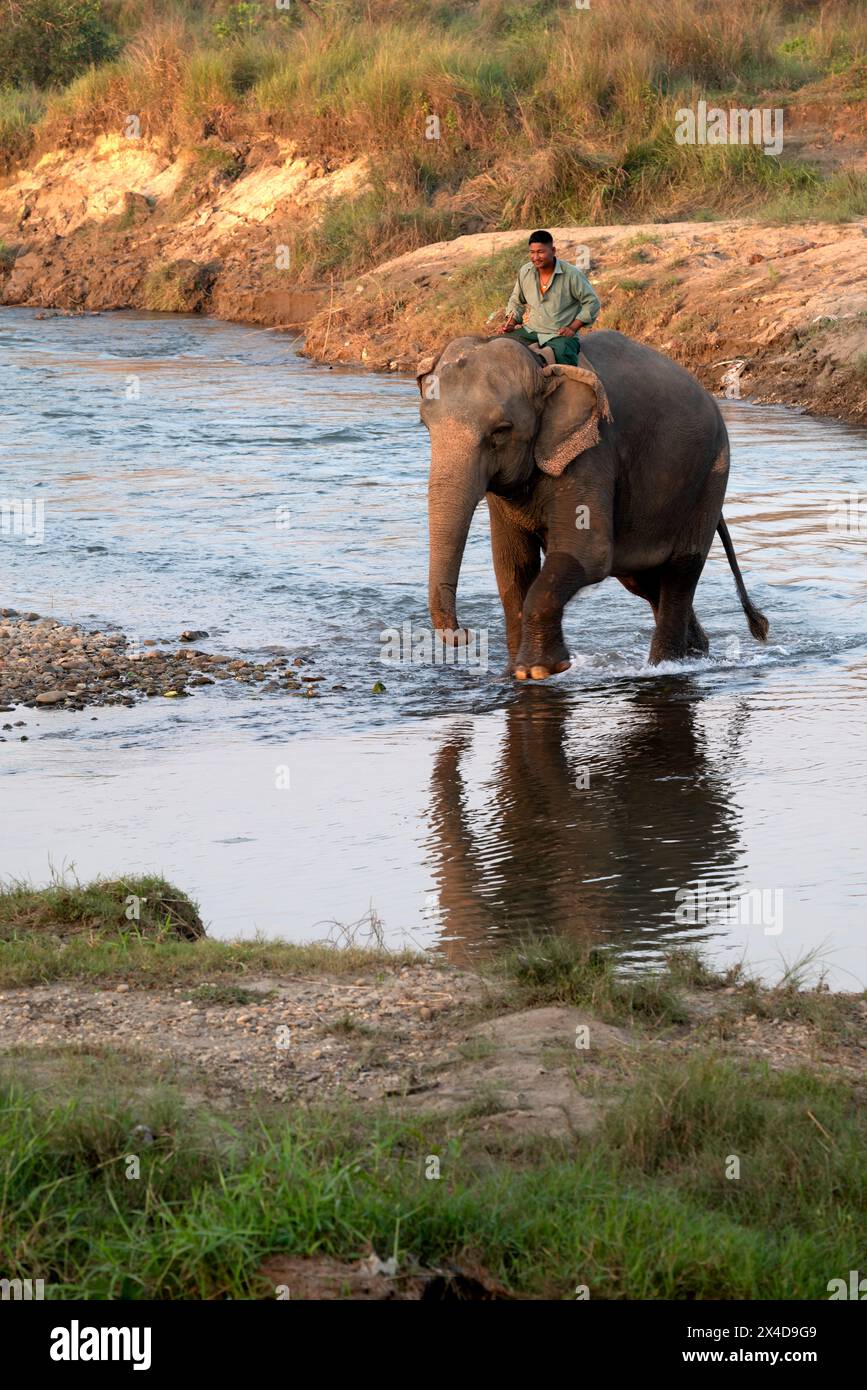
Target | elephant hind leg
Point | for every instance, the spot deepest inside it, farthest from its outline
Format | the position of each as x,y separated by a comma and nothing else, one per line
678,632
697,643
646,584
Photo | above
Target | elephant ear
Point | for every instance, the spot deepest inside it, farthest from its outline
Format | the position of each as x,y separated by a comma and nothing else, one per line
424,367
575,402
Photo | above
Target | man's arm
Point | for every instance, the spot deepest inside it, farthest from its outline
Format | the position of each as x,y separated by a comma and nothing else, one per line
517,303
588,300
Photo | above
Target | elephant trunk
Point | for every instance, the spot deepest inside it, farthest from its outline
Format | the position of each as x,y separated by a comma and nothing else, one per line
453,496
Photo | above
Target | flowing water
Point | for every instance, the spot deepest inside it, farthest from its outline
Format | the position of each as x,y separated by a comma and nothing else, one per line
197,474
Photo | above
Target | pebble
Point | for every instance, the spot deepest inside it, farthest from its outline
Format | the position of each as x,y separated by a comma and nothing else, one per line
39,655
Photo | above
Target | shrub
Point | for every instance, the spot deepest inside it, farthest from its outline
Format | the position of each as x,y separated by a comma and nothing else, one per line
49,42
20,109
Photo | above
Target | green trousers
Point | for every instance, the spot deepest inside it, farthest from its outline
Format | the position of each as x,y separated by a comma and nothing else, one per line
564,349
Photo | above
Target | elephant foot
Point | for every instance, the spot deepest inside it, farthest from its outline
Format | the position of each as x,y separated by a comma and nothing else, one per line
540,673
538,666
697,643
672,651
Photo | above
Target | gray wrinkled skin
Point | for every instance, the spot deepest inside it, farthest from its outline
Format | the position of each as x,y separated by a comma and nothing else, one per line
642,504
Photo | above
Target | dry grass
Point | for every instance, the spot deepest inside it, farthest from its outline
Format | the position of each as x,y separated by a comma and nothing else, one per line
543,113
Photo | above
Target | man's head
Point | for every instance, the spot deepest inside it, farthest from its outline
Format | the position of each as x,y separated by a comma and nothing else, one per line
543,252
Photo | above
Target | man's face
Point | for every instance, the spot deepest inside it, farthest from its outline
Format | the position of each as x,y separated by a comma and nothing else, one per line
542,256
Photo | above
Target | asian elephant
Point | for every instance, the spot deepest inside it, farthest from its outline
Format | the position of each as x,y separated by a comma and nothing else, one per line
619,470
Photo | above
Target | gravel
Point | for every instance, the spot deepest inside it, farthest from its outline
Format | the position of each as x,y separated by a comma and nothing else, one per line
47,664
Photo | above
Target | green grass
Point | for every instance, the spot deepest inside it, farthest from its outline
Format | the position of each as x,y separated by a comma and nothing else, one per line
75,931
644,1210
20,110
350,234
558,970
840,197
174,287
644,1207
158,963
140,906
348,1026
7,256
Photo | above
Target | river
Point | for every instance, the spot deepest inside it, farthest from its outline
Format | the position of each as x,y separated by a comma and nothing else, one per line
196,474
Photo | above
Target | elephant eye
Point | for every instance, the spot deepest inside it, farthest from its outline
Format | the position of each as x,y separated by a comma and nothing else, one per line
500,435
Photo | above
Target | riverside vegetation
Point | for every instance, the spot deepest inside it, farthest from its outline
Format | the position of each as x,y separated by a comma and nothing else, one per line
547,114
248,1186
253,163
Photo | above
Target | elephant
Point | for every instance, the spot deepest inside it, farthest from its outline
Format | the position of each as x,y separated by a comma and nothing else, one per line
616,467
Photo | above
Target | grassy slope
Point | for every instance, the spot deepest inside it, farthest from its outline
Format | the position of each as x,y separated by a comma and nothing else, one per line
139,928
642,1210
546,113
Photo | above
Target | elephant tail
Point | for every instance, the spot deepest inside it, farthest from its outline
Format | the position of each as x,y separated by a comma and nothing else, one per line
757,621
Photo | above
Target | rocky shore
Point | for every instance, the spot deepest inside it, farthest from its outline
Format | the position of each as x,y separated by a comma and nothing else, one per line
48,664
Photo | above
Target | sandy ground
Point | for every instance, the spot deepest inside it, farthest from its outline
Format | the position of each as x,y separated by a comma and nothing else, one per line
424,1036
770,313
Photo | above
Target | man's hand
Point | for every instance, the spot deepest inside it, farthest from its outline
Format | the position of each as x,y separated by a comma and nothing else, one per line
510,323
568,332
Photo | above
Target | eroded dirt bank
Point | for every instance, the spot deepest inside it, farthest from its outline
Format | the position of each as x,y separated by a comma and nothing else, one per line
770,313
129,224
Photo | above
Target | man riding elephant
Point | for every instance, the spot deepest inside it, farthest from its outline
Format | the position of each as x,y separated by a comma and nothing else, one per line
556,299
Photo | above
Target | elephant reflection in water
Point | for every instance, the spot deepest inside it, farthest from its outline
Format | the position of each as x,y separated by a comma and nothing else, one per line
588,832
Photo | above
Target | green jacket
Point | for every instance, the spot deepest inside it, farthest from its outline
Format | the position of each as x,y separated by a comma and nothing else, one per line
569,296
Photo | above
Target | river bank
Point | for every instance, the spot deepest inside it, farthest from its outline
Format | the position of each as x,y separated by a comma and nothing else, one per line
769,313
507,1111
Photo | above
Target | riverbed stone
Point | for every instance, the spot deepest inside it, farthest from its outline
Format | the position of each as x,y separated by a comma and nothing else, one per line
51,664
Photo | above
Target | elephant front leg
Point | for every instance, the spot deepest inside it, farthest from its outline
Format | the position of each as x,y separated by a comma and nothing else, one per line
543,651
517,559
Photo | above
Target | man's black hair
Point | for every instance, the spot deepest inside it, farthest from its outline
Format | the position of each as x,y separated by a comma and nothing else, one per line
544,237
